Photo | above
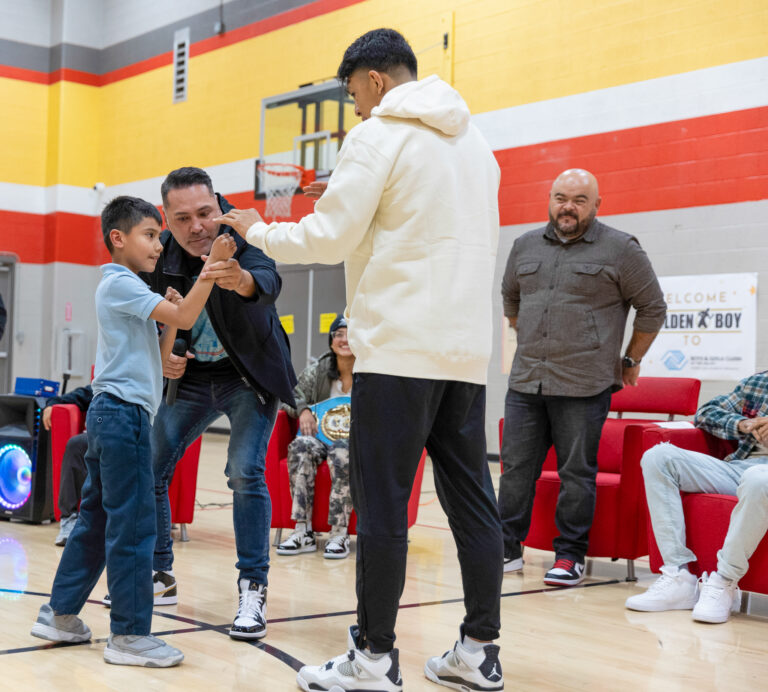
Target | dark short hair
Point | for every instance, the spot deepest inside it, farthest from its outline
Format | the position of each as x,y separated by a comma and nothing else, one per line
123,213
184,177
380,50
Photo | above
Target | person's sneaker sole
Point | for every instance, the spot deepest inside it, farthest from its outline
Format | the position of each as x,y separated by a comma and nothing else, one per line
121,658
557,581
159,600
335,556
458,685
515,565
54,635
303,549
237,634
658,607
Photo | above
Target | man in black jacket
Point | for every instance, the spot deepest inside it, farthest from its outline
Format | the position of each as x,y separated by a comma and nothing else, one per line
73,468
238,364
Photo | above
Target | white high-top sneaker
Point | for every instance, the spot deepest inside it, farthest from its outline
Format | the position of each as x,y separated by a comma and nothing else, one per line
354,670
717,598
462,669
675,589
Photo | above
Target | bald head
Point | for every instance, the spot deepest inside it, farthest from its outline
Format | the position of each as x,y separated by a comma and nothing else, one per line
573,202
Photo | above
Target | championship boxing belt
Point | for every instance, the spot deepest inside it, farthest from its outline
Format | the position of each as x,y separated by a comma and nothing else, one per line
333,418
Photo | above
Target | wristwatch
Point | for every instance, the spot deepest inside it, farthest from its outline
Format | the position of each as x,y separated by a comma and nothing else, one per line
627,362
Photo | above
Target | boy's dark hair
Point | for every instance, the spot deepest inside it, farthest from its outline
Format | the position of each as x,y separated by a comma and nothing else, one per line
123,213
184,177
380,50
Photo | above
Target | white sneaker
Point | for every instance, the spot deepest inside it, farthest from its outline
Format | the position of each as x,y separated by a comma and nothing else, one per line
165,590
337,547
513,564
462,669
65,528
675,589
298,542
251,618
59,628
137,650
354,670
717,598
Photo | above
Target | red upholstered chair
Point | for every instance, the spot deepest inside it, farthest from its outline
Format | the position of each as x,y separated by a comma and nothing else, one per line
706,515
619,529
279,485
68,420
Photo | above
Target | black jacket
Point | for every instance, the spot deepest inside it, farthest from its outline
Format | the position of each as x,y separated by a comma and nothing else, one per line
248,328
80,397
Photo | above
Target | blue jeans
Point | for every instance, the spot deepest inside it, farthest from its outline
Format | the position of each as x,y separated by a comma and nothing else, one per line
532,424
116,525
198,403
668,469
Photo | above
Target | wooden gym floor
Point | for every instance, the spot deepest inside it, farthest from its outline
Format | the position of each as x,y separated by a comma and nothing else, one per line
552,639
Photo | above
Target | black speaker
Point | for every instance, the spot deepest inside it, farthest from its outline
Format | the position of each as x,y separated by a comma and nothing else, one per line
26,483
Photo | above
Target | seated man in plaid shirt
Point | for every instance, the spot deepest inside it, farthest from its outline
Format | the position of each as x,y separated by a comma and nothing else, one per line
741,415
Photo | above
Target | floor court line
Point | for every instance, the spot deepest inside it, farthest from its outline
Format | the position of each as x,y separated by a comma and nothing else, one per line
282,656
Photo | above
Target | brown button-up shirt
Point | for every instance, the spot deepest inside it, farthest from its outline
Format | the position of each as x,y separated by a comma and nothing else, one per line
571,302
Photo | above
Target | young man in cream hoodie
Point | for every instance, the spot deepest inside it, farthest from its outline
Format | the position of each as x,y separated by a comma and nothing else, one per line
412,210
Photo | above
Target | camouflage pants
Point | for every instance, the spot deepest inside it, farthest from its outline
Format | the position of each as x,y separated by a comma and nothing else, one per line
304,455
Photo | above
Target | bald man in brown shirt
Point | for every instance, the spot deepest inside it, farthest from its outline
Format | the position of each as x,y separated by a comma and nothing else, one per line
567,290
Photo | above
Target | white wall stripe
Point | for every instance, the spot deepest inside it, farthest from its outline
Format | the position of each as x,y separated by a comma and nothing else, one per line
721,89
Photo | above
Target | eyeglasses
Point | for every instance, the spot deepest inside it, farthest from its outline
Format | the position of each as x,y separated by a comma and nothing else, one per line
339,334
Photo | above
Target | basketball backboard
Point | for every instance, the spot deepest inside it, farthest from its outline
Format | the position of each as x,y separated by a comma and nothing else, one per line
305,127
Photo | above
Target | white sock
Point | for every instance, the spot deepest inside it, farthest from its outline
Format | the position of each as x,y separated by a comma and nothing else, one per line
301,527
338,531
472,645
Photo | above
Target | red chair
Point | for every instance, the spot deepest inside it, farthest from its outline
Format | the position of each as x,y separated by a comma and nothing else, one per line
279,484
68,420
619,528
706,515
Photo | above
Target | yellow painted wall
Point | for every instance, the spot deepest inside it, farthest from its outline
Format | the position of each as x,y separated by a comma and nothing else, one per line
23,132
506,53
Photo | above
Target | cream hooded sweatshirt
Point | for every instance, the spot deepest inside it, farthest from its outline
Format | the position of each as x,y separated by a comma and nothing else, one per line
412,210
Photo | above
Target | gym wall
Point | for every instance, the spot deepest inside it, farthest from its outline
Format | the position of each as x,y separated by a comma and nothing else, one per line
666,101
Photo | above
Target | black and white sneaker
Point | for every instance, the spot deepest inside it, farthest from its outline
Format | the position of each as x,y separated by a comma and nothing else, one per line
298,542
251,618
565,573
337,547
462,669
164,584
354,670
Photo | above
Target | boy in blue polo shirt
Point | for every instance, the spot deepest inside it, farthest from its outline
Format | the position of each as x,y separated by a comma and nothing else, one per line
116,525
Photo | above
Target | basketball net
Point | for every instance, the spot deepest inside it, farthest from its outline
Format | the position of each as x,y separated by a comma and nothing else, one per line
279,182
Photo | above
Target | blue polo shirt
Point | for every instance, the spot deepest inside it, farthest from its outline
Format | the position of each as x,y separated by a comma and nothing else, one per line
128,351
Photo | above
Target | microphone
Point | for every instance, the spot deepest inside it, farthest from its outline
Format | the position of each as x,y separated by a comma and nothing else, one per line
179,349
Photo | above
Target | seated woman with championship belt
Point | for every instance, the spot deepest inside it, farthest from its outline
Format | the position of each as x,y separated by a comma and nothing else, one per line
329,377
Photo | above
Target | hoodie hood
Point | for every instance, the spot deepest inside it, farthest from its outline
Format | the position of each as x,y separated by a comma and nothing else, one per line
431,100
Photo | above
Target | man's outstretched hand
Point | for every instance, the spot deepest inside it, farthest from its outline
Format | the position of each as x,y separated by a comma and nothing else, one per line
240,219
315,189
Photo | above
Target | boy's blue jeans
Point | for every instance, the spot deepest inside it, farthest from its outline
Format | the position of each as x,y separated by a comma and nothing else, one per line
116,525
200,401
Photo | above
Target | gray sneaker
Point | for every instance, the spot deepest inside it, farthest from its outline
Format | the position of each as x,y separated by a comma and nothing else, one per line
138,650
65,528
59,628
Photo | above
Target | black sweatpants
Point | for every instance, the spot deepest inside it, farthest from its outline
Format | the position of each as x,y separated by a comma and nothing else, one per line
73,473
393,419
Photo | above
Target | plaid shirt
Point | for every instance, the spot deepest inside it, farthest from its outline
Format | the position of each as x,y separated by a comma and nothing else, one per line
721,416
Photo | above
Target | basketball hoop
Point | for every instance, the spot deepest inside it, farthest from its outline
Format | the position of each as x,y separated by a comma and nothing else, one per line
279,181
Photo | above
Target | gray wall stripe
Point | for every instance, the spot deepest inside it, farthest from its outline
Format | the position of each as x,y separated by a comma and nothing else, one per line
237,14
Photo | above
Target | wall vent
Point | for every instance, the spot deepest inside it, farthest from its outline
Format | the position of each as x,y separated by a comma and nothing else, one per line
180,64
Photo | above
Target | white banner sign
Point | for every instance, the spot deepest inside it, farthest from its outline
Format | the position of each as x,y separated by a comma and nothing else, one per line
711,328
